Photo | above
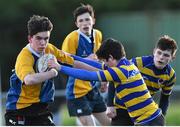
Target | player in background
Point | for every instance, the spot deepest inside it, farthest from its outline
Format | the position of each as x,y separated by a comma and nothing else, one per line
30,91
83,97
158,76
131,92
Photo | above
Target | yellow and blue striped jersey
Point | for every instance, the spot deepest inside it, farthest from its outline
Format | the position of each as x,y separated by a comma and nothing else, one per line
131,92
155,79
79,44
20,95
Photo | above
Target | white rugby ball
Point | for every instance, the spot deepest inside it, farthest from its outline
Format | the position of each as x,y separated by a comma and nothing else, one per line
42,63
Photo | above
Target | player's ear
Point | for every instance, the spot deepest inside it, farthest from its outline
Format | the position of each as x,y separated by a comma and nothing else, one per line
94,21
29,38
154,50
77,24
173,57
111,57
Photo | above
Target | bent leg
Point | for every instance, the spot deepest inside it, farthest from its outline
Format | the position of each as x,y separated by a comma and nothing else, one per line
81,108
87,120
102,118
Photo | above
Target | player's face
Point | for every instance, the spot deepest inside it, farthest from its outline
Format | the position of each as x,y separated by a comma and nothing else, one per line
162,58
39,41
85,23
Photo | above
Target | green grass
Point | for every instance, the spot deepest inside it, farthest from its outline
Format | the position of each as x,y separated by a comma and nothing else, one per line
66,119
173,115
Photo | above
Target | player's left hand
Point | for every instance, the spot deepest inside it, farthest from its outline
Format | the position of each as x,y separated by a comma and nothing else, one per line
92,57
52,63
111,112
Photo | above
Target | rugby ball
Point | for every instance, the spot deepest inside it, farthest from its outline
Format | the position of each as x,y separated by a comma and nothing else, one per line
42,63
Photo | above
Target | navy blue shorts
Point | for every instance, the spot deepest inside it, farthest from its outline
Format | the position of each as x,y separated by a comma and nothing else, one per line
122,118
44,119
86,105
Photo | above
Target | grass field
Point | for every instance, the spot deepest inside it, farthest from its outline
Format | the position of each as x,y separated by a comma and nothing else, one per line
66,120
172,118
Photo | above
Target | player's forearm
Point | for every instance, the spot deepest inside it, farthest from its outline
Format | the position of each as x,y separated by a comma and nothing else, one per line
32,79
81,65
79,73
111,94
164,103
89,62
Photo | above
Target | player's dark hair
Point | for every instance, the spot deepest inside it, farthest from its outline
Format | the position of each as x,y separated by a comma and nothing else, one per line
111,47
167,43
38,24
83,9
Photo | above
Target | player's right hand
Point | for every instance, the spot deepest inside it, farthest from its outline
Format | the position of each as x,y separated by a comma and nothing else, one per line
92,57
52,63
111,112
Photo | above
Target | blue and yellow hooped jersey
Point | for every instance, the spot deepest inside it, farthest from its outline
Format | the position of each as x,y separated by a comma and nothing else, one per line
155,79
79,44
131,92
21,95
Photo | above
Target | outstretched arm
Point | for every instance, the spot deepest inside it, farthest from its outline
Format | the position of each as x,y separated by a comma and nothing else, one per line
90,62
101,75
111,94
111,111
165,94
81,65
80,73
74,72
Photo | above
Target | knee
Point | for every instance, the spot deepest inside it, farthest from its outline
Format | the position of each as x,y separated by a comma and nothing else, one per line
86,121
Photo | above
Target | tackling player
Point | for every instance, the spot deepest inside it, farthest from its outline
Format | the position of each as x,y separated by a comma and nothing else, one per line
131,91
158,76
